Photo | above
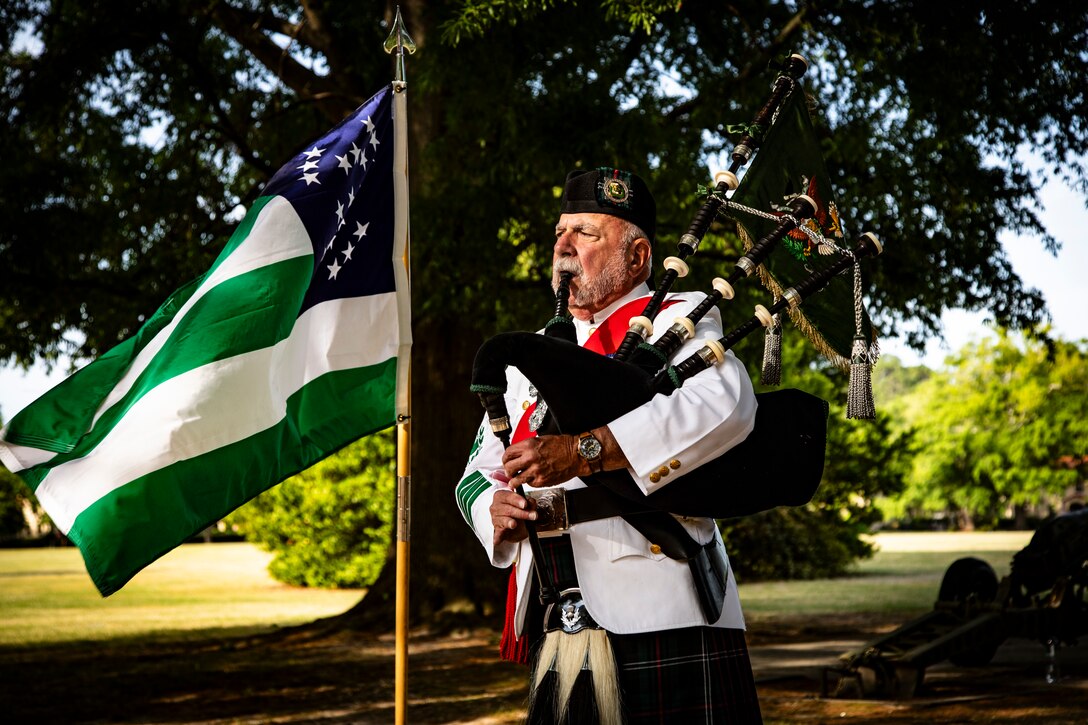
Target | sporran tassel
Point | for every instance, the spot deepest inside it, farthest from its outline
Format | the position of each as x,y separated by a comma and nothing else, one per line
575,674
771,374
859,401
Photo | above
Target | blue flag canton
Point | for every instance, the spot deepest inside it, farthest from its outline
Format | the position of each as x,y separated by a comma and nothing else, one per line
342,189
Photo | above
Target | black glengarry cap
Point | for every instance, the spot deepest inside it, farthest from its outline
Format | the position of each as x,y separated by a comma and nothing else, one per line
615,192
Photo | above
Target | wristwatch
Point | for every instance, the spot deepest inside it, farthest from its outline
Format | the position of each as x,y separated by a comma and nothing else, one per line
589,448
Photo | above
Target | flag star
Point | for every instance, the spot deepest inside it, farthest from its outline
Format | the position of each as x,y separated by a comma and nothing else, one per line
369,124
351,196
340,213
360,229
374,139
334,269
362,160
355,152
310,178
308,165
315,151
328,247
345,163
347,252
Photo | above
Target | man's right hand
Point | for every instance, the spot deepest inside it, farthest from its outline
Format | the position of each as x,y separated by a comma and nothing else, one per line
509,512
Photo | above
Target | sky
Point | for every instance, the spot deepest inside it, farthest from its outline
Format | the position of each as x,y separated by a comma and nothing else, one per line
1061,279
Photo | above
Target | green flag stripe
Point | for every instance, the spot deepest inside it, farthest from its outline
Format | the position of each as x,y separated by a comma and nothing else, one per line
120,534
468,490
250,312
276,235
191,415
55,420
59,419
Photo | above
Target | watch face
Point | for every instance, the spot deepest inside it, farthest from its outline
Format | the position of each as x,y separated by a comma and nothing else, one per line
589,448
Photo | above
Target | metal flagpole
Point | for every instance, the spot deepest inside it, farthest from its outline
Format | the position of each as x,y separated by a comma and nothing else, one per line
398,43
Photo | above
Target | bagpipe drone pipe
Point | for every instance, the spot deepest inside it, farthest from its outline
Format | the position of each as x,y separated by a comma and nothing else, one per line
780,463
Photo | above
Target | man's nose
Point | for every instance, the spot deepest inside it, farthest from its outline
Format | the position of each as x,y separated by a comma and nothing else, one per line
563,246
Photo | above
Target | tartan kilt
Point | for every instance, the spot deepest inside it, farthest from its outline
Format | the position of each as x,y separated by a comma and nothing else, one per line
694,674
697,674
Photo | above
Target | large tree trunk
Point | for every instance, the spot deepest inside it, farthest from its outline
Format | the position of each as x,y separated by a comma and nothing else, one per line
452,582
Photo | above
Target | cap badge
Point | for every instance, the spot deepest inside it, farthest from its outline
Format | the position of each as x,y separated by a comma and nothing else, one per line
614,188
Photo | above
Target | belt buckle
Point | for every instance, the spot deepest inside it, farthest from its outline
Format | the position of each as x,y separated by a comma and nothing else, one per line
550,505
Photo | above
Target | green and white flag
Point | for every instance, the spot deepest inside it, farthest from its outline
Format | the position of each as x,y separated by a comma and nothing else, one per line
294,344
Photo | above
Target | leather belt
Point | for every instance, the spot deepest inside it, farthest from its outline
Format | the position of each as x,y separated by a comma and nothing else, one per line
559,508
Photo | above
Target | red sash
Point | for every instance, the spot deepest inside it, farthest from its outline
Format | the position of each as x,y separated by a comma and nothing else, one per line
605,340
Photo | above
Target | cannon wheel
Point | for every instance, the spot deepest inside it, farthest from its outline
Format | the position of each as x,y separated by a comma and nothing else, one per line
970,579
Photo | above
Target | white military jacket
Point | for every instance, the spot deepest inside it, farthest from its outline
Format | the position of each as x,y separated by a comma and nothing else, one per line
627,586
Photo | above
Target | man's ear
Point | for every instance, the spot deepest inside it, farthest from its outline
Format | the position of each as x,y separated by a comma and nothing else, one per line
638,259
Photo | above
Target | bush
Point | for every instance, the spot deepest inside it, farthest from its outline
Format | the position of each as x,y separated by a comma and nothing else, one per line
330,525
796,543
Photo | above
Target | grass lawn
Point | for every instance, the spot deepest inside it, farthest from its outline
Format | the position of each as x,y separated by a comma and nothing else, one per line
903,577
46,597
199,590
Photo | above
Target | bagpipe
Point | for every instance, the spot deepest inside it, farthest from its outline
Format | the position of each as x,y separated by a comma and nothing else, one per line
781,462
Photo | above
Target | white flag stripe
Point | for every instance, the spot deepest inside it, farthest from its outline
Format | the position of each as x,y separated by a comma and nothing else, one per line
18,458
193,413
277,235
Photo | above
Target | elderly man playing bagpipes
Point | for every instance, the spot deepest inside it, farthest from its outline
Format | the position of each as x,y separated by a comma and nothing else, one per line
616,443
618,630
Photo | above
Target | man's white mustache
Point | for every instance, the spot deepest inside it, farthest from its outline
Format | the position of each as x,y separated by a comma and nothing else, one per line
567,264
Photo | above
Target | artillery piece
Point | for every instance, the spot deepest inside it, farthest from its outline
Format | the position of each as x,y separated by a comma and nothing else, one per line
1044,597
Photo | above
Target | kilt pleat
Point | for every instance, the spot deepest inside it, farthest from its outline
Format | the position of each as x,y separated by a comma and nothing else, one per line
691,675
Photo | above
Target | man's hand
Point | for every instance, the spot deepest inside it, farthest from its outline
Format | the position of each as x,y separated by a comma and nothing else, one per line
543,461
509,512
551,460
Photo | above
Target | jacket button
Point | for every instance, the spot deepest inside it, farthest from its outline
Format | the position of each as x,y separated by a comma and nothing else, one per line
655,549
663,471
525,405
654,477
674,464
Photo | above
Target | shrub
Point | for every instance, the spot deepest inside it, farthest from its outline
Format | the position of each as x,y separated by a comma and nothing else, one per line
330,525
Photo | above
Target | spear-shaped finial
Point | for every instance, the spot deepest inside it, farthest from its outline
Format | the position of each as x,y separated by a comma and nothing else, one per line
398,43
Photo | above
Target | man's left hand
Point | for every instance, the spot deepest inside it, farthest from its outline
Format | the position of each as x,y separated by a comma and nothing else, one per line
544,461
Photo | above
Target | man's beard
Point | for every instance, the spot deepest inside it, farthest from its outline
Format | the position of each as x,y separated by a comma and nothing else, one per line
593,290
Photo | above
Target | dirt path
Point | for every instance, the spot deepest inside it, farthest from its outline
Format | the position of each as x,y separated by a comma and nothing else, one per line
297,677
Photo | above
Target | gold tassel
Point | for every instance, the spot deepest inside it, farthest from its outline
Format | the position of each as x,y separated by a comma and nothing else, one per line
859,400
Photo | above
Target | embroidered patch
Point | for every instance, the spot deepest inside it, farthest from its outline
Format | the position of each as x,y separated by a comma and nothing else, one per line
614,188
478,443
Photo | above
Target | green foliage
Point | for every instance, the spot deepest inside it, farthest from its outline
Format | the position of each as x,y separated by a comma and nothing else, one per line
993,427
506,98
865,460
329,526
13,493
792,544
15,497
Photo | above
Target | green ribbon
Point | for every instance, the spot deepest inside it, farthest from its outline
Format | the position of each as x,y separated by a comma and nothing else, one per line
754,130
